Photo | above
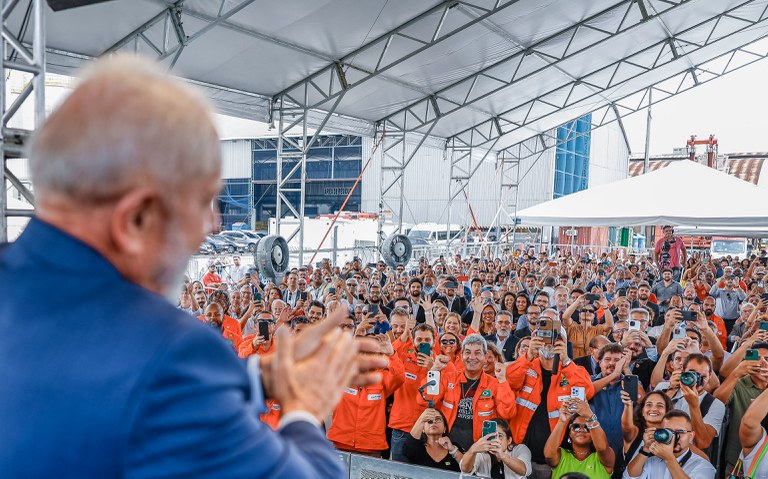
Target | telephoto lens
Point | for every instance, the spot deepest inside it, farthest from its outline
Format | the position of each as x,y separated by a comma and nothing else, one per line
664,436
691,378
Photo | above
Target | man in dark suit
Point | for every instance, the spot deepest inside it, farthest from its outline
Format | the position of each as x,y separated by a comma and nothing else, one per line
454,303
503,338
590,361
118,382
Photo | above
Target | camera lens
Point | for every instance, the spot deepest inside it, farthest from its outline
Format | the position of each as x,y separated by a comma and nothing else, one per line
663,436
690,378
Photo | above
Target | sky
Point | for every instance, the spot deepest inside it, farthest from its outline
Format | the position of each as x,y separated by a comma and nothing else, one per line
734,108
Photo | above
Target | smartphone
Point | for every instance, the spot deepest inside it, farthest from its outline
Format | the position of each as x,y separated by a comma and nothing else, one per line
425,348
433,376
248,276
763,325
752,355
373,309
630,385
578,393
331,290
764,296
679,332
489,427
634,325
592,297
257,296
372,265
764,260
688,315
264,329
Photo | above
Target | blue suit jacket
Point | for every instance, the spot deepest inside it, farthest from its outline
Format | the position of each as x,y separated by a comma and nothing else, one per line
101,378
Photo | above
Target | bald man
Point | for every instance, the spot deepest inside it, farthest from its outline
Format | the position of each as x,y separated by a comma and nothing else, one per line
105,378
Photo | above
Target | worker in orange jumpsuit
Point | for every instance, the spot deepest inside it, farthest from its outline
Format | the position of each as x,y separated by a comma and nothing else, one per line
469,397
359,421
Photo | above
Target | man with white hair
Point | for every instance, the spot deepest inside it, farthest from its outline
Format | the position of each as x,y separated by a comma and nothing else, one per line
120,383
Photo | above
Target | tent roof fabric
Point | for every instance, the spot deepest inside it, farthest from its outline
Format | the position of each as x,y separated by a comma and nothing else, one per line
746,166
671,195
520,67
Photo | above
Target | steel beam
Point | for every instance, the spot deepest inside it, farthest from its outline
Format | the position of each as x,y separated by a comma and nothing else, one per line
607,79
30,59
378,56
667,88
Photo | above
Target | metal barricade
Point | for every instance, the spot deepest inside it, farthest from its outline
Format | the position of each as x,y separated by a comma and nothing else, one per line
364,467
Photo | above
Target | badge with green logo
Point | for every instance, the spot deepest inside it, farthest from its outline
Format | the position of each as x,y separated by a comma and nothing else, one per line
486,393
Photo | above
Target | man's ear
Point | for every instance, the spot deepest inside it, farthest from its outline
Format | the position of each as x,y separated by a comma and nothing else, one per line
137,216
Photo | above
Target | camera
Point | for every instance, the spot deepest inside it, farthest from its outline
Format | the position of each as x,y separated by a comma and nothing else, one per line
691,379
664,436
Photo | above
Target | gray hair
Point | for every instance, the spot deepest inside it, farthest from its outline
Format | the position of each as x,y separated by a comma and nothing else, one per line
127,124
475,339
642,311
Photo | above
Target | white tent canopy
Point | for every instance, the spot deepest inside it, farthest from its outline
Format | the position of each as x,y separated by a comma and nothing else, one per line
744,232
684,193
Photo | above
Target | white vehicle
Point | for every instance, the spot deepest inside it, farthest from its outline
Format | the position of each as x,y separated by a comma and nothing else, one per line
722,247
434,233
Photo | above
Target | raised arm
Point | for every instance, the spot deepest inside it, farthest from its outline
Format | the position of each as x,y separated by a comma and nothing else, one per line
750,430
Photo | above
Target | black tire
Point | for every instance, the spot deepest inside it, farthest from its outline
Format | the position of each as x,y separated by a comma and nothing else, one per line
252,247
231,249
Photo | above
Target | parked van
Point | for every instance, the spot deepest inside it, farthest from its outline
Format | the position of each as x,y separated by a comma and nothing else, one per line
435,233
722,247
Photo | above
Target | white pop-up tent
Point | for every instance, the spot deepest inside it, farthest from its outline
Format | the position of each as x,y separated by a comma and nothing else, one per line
684,193
743,232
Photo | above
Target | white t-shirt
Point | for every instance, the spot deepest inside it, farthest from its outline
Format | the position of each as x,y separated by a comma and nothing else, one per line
761,472
714,416
482,465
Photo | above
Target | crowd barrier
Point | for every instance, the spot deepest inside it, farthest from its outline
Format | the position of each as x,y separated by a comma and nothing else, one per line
364,467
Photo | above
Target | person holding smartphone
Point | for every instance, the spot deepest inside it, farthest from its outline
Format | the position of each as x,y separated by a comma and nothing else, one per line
584,449
496,455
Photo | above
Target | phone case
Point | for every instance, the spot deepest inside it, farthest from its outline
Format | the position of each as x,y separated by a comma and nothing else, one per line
433,390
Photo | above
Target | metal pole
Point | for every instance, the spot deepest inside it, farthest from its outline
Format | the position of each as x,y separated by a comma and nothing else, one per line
647,158
280,146
335,243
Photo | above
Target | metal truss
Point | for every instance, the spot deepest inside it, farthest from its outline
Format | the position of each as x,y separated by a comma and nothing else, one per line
601,82
464,165
17,57
705,72
293,144
375,58
164,34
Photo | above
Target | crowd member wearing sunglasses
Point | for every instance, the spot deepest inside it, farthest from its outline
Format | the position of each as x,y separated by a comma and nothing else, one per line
585,447
450,345
666,452
429,445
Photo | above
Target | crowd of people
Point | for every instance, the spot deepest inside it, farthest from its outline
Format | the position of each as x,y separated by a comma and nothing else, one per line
532,365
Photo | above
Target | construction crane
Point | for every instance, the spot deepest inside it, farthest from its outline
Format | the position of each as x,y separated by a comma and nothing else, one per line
711,143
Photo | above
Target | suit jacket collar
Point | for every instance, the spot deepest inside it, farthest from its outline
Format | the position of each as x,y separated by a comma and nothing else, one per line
48,245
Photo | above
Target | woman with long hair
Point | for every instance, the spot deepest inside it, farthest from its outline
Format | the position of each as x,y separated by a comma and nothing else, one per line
522,347
508,302
497,456
428,443
648,415
450,345
585,448
521,306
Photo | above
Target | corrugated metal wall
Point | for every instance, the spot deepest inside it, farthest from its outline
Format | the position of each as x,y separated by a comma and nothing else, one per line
426,187
609,157
537,178
236,159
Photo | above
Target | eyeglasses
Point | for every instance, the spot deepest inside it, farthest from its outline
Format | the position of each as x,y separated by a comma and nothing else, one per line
347,326
579,427
447,342
587,311
435,420
621,330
